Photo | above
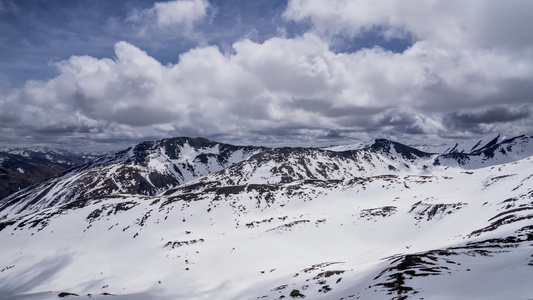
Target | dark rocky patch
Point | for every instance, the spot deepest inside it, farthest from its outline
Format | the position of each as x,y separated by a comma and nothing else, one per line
176,244
66,294
296,294
288,226
427,211
327,274
385,211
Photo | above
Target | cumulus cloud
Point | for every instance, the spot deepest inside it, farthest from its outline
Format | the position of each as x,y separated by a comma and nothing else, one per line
455,80
483,23
181,14
279,87
409,122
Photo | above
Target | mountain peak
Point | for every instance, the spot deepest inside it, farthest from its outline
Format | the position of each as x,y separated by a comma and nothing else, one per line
405,151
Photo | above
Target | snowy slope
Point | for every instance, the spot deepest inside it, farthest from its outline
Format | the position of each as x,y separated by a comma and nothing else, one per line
148,168
459,235
383,222
374,238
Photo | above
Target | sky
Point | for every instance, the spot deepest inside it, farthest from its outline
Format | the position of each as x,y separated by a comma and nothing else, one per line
103,75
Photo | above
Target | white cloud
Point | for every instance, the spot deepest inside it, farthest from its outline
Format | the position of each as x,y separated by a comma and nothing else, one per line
177,14
181,12
468,71
486,23
455,79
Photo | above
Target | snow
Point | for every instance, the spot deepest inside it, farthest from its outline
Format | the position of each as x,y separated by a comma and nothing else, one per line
264,241
257,260
349,147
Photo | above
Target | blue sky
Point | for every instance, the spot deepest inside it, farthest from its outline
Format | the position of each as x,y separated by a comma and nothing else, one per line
38,33
104,74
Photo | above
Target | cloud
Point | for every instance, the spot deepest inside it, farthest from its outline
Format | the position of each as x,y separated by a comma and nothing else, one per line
180,12
503,118
295,88
409,122
493,114
457,23
177,14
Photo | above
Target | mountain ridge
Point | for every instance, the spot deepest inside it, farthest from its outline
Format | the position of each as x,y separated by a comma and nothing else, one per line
384,236
386,221
155,167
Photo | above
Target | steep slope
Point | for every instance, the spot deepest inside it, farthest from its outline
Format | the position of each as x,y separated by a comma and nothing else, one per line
452,235
148,168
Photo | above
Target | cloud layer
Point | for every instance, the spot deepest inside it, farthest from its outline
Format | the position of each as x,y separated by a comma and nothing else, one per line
485,23
468,72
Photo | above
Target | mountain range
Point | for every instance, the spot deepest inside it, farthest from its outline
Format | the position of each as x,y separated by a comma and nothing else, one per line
22,167
190,218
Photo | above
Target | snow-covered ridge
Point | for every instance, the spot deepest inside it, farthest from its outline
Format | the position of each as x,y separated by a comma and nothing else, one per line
41,151
172,165
148,168
456,234
465,147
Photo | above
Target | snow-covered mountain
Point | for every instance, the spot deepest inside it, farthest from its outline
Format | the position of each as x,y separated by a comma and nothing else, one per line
286,165
465,146
494,152
148,168
383,222
54,155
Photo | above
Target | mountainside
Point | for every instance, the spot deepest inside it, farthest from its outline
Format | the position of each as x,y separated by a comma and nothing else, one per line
386,221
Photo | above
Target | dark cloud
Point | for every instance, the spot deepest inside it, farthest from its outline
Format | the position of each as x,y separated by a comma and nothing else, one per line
328,109
143,116
333,134
514,119
491,115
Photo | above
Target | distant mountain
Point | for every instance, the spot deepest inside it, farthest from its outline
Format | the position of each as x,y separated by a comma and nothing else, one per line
20,168
168,165
148,168
53,154
465,147
286,165
287,223
493,153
